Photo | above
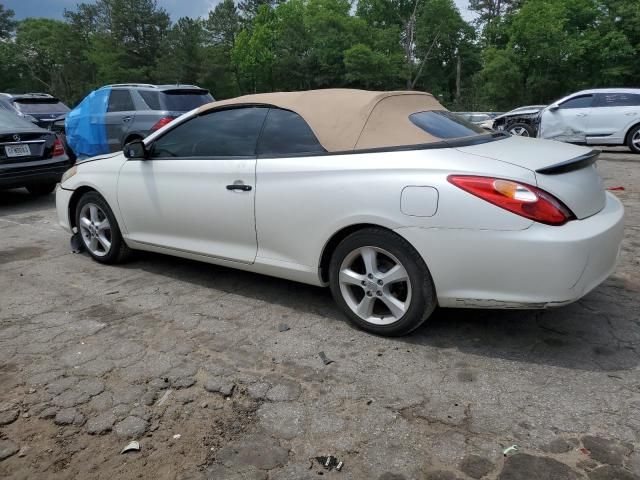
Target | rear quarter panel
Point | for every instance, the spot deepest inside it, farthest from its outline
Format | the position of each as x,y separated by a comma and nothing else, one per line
302,202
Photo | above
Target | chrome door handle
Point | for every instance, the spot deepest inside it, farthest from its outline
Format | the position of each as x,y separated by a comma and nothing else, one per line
630,113
581,114
126,119
239,186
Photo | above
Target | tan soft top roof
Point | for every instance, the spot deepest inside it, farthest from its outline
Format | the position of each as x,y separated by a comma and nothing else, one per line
344,119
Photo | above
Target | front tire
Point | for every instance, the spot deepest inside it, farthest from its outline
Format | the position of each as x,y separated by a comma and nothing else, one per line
633,140
521,130
40,189
381,282
99,230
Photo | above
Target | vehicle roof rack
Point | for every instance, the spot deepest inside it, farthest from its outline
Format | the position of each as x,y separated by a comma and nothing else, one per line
146,85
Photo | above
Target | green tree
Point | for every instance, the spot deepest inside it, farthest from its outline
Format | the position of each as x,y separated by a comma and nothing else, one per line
9,64
123,37
7,23
181,60
221,29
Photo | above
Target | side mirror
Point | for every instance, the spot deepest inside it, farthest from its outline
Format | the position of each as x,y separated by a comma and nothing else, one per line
136,149
554,107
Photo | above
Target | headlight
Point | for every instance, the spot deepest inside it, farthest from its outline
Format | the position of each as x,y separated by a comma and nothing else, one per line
69,173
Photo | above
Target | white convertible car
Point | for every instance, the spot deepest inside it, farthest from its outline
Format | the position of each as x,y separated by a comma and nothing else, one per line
392,201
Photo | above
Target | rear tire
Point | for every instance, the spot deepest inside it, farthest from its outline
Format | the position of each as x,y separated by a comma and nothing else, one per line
633,139
521,130
381,283
40,189
99,230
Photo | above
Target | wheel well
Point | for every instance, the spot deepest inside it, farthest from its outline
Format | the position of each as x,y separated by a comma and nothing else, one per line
73,203
626,137
334,241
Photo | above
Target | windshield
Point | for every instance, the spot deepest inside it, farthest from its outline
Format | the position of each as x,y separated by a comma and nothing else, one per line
184,101
175,100
40,106
444,124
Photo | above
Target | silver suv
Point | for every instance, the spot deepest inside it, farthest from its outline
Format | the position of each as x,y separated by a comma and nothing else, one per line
136,110
115,115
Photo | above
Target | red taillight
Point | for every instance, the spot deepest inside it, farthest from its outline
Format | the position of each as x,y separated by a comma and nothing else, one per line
58,148
519,198
162,122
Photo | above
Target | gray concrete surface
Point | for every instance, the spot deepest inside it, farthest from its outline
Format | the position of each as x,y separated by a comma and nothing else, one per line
189,360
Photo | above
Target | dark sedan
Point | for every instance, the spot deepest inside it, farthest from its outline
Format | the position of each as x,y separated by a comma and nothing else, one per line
39,108
30,156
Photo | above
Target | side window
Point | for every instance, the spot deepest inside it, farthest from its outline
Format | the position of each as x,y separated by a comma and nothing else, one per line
152,99
286,133
583,101
223,133
120,101
617,100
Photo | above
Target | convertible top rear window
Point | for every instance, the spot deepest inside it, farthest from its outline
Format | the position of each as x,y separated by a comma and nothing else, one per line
444,124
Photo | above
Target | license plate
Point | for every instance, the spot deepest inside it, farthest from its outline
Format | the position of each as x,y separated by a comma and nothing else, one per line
17,150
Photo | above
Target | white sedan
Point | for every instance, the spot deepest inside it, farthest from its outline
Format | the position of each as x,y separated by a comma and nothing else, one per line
386,197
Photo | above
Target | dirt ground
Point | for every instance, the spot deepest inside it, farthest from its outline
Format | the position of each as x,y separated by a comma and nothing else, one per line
216,372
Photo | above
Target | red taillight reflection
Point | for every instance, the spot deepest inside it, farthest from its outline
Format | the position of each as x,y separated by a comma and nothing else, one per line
58,148
162,122
519,198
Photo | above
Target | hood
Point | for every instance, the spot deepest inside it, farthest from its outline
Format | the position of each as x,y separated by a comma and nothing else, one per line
97,157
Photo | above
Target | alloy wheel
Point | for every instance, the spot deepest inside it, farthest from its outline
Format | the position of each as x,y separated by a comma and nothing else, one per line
375,285
520,131
95,229
635,140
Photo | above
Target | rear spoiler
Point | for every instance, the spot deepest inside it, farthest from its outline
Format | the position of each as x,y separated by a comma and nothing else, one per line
569,165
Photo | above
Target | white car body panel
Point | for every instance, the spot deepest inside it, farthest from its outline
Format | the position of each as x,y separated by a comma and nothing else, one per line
184,204
595,125
479,255
565,125
614,122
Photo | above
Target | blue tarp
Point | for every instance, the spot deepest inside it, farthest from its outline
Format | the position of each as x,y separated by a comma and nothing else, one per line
85,125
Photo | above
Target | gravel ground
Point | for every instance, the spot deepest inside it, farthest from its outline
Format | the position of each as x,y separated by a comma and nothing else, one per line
194,362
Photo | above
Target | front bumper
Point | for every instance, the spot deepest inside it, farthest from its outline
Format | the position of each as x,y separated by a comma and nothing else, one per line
35,173
63,197
539,267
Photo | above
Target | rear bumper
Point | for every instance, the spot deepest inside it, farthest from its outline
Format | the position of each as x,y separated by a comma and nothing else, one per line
51,172
539,267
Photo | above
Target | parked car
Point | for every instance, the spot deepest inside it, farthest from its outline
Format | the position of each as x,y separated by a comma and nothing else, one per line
114,115
606,116
39,108
483,120
522,121
30,156
475,117
394,202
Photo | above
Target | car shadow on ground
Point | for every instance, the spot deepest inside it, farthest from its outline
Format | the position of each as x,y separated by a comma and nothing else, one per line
598,333
19,201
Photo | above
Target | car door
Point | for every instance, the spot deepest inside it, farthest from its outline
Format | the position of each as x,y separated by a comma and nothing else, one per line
196,191
567,121
120,114
611,115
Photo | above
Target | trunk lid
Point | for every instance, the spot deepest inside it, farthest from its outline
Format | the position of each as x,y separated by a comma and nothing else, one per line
566,171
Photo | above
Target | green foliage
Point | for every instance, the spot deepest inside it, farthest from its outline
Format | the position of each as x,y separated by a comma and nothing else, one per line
7,23
516,52
552,48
